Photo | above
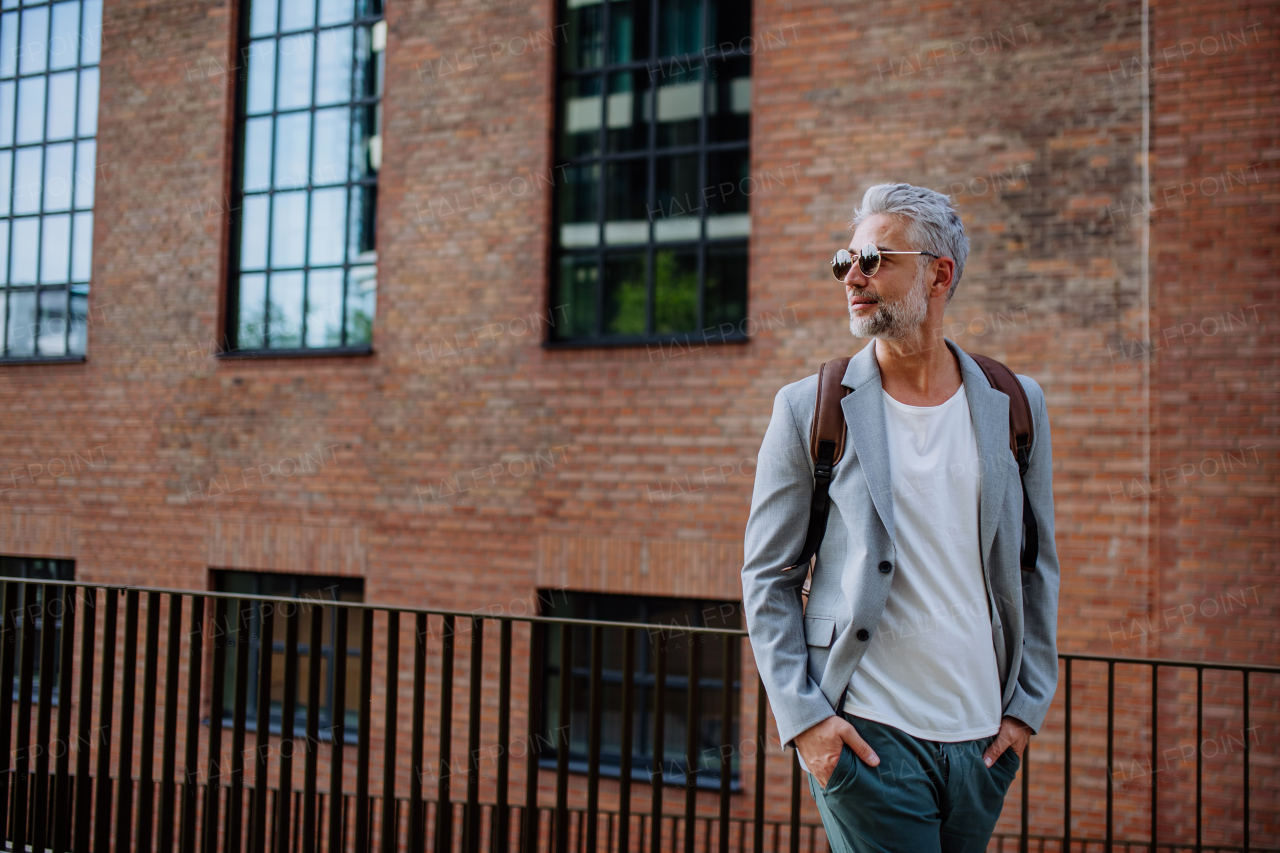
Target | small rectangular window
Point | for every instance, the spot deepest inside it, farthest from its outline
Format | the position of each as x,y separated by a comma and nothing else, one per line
317,588
675,613
309,146
36,569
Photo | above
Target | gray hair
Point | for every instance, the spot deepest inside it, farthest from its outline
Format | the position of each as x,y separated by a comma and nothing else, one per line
933,224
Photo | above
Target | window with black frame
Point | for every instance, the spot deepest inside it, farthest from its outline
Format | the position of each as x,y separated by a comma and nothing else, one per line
675,613
316,588
49,55
37,569
652,157
309,147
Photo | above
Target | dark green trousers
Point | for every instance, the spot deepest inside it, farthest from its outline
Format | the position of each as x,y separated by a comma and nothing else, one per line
923,797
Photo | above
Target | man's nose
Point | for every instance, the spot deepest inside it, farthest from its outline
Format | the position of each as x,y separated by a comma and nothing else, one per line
854,277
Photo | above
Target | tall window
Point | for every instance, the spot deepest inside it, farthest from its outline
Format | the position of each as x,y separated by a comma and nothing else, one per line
652,215
676,613
316,588
48,121
310,145
35,569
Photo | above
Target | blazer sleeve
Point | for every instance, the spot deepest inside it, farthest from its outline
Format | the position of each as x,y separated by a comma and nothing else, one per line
775,533
1038,674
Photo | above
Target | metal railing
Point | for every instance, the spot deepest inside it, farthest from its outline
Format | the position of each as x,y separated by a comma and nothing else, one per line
203,798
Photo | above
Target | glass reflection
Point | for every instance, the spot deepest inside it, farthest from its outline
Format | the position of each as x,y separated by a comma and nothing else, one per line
62,106
332,145
729,100
336,11
576,295
296,14
333,66
88,118
82,247
292,152
324,308
284,318
8,95
35,40
725,300
629,31
86,158
26,241
52,338
78,332
257,154
362,287
55,249
64,36
251,328
57,177
31,109
679,27
288,229
22,322
581,108
253,237
675,291
625,294
679,104
628,111
328,221
584,35
260,57
293,83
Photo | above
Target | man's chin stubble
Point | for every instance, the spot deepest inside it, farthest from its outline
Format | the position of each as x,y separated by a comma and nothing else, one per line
878,326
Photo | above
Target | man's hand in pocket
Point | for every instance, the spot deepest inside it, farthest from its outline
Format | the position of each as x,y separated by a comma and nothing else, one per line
820,747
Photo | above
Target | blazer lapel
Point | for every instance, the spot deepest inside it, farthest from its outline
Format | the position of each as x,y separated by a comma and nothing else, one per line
989,410
864,418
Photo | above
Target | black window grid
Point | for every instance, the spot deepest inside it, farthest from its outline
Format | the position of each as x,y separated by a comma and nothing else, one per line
367,14
74,293
297,586
654,63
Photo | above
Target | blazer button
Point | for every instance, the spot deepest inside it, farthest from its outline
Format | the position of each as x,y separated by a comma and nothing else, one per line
864,634
886,567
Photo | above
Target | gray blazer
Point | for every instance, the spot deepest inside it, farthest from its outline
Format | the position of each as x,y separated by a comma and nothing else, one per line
806,656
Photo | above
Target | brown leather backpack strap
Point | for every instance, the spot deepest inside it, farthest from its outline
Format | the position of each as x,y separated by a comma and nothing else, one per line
826,446
1021,437
1021,430
828,417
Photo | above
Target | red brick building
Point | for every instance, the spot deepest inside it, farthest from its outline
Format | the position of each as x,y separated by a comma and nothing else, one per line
509,414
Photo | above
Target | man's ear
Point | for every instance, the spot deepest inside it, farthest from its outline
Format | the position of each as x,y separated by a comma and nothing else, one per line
941,283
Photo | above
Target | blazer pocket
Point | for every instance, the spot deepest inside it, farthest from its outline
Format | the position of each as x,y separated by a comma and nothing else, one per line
818,630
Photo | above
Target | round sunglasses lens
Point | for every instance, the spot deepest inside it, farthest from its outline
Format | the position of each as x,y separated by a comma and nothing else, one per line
841,264
869,259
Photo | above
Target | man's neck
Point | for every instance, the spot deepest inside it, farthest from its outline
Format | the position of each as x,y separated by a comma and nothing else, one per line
918,372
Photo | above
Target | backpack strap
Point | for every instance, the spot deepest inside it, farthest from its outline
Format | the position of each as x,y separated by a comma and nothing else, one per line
1021,438
826,447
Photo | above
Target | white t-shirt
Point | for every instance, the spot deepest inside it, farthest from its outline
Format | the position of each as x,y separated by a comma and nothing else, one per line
930,669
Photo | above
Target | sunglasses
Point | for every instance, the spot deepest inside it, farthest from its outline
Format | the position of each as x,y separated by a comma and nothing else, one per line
868,260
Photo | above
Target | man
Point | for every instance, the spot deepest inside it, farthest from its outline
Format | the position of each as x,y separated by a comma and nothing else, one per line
925,658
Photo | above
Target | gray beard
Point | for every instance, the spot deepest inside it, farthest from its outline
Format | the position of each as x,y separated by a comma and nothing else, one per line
894,321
